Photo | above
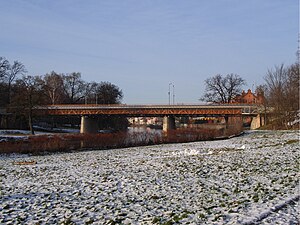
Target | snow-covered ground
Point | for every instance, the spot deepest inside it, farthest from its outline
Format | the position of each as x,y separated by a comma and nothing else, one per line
251,179
10,135
13,135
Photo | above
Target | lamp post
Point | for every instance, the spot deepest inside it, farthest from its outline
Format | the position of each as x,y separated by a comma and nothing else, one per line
173,93
169,93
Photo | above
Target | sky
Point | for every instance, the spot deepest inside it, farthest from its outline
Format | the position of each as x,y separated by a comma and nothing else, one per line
142,46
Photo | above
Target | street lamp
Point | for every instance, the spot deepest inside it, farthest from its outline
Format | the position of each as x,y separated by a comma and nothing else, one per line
169,93
173,94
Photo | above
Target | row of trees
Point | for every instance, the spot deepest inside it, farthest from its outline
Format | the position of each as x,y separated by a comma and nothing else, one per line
280,91
21,92
52,88
71,89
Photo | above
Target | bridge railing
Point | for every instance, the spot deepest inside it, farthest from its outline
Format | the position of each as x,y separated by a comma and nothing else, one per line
247,109
125,106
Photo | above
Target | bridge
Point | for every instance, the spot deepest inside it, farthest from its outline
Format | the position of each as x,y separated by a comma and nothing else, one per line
89,111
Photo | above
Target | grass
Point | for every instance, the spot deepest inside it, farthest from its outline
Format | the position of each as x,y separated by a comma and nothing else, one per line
289,142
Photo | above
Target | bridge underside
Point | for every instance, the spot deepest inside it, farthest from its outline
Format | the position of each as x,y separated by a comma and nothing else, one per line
89,124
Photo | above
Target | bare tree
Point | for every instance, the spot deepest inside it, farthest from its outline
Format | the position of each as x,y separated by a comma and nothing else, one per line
221,89
8,74
90,94
14,70
74,87
293,78
109,93
28,95
276,81
53,88
4,67
283,92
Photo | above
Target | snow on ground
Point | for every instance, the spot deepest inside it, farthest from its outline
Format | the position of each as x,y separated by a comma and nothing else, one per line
251,179
13,135
14,132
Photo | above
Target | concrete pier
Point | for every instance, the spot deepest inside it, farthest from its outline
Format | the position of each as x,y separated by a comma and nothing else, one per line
169,123
89,125
257,122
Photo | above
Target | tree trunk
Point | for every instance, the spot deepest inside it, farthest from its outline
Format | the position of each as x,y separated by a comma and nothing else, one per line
30,122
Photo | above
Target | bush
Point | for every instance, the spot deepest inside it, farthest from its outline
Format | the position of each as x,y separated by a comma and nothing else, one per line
38,144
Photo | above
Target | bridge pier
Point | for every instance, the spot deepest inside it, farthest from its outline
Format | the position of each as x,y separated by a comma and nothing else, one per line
89,125
169,123
257,122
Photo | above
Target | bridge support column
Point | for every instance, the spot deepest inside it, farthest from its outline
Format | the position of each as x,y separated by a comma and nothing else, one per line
169,123
88,125
257,122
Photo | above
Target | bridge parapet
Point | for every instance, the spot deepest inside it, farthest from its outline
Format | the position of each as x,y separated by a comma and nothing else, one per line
141,110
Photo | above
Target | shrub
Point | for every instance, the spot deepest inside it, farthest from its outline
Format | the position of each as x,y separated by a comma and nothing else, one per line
37,144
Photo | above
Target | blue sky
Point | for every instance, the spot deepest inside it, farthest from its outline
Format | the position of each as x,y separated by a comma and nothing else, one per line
143,45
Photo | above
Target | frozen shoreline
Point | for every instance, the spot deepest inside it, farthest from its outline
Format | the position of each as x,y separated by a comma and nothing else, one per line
238,180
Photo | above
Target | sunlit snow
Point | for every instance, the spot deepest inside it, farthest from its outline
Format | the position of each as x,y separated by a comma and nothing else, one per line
251,179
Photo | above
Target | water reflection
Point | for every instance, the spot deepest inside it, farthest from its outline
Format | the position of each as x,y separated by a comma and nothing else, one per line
144,130
145,135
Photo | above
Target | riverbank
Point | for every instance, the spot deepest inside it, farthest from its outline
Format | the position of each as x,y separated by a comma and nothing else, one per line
50,143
